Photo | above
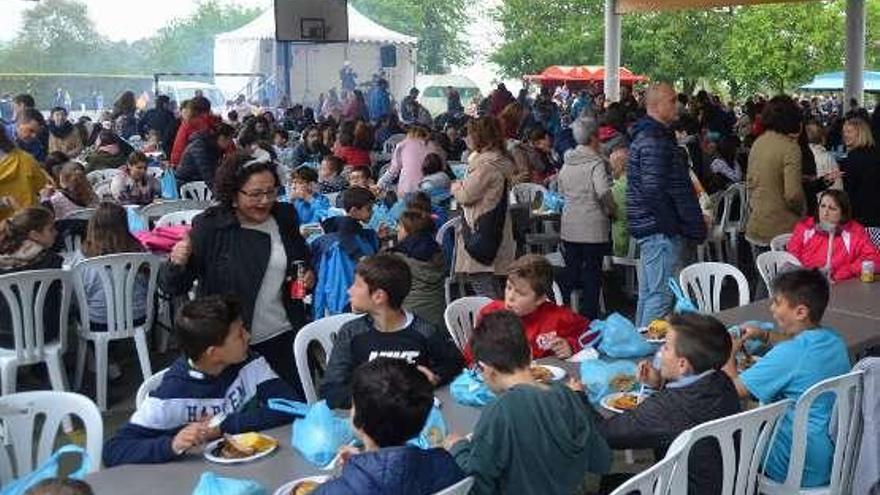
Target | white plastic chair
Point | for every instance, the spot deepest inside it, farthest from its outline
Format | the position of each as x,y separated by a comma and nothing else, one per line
771,262
526,192
155,172
451,278
197,191
732,228
147,386
118,274
392,142
461,317
184,217
25,294
324,332
157,210
847,392
18,415
780,242
704,280
753,430
656,479
96,177
460,488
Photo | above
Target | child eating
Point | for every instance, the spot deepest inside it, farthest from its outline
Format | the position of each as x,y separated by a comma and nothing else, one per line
330,179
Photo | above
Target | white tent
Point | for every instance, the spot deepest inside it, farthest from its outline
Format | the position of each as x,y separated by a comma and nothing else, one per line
315,66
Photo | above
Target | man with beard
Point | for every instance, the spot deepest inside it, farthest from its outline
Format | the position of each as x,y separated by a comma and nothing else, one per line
63,135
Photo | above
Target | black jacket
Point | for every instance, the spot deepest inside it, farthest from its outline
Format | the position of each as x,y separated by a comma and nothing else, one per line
200,159
229,259
664,415
163,121
862,175
51,310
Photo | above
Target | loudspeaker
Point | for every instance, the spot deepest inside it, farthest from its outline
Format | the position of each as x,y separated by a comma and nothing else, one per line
313,21
388,55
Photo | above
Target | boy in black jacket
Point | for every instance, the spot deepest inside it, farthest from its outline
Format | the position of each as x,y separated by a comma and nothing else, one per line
693,390
381,284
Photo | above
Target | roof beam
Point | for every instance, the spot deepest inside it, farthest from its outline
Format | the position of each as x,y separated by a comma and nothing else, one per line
630,6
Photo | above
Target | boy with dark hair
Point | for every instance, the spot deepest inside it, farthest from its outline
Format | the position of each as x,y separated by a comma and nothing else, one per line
803,354
391,401
308,203
217,375
330,179
551,330
692,390
535,438
381,284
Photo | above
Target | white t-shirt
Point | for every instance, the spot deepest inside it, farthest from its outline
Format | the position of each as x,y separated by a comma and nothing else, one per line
270,318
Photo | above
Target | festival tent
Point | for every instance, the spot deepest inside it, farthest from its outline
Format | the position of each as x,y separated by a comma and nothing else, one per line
580,75
315,66
833,81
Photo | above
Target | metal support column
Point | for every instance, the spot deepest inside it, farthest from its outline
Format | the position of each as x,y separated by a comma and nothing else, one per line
854,83
612,51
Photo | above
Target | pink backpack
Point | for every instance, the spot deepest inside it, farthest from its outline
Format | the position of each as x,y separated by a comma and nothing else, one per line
162,239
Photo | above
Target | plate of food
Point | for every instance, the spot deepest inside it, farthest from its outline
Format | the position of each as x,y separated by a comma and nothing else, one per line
236,449
655,332
302,486
545,373
622,382
620,401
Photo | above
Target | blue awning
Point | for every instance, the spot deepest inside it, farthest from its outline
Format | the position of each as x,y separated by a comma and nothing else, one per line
833,81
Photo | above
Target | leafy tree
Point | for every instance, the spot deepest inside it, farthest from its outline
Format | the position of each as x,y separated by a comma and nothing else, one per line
438,25
187,44
551,32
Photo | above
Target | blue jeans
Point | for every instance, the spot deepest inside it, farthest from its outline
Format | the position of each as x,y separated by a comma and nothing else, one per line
660,259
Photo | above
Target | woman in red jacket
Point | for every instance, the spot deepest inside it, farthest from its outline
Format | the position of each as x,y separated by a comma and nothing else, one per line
833,228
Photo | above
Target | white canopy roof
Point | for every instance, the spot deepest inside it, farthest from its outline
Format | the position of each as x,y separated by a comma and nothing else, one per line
360,30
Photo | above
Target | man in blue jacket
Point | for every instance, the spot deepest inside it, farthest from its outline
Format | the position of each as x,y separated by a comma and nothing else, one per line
662,208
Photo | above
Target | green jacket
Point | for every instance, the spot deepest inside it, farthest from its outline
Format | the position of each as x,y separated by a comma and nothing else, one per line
533,440
427,297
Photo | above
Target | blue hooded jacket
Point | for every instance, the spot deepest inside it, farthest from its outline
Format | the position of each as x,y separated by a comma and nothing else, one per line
395,470
660,197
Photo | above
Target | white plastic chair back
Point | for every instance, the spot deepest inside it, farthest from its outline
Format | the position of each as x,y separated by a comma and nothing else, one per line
157,210
118,273
451,224
25,295
197,191
460,488
733,192
704,281
96,177
103,191
150,384
771,263
184,217
18,415
754,429
461,317
847,420
83,214
780,242
656,479
557,295
526,192
324,332
392,142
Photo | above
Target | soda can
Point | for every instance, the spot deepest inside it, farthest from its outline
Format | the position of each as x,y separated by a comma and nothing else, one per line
867,271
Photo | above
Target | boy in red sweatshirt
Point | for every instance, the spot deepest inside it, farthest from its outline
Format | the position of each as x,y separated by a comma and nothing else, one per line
551,330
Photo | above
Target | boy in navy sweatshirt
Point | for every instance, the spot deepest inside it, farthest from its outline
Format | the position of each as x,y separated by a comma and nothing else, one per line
216,375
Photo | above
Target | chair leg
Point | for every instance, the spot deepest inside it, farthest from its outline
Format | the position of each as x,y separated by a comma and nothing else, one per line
8,378
58,379
101,364
140,341
82,346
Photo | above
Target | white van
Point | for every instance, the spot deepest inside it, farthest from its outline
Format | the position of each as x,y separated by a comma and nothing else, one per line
432,91
180,91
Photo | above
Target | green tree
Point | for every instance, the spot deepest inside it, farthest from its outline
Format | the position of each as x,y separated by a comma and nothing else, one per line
187,44
552,32
439,26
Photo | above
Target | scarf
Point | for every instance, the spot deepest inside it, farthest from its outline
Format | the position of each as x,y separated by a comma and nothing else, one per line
26,254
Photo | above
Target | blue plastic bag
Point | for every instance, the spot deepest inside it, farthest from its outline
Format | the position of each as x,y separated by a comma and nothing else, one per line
433,433
49,469
552,201
597,374
382,216
683,303
135,221
169,185
469,389
320,434
620,339
211,484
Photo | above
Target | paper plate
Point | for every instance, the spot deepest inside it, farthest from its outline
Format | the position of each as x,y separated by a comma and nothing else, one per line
211,447
288,487
557,372
606,401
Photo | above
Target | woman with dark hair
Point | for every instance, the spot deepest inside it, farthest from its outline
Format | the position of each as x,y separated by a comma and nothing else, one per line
775,191
123,115
21,177
74,191
345,148
63,136
481,193
831,240
195,116
355,107
109,152
724,169
203,154
248,245
310,149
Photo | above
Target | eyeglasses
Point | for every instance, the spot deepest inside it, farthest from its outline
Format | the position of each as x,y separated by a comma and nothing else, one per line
270,195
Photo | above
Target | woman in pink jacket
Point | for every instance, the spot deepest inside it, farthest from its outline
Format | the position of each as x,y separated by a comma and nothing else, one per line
407,159
849,242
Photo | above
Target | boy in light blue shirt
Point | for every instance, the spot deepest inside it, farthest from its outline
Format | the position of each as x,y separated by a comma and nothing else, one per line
803,354
311,207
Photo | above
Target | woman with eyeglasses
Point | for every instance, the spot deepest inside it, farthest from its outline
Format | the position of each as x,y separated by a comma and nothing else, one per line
248,245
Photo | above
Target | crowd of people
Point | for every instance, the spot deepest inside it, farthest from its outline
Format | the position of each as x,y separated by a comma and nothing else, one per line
344,201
